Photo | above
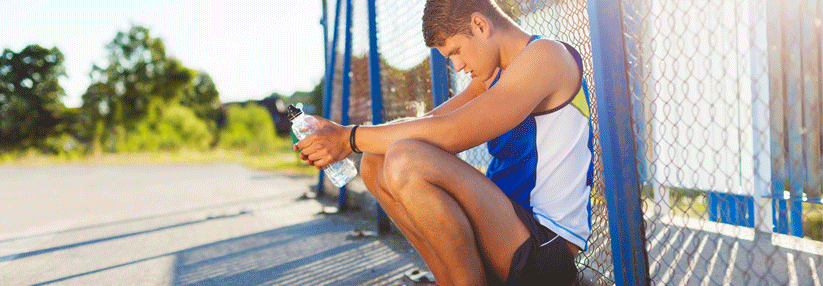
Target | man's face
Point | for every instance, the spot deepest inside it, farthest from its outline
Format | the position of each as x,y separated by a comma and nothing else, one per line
468,54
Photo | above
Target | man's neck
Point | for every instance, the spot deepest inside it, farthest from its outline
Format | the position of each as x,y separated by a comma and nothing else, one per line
512,41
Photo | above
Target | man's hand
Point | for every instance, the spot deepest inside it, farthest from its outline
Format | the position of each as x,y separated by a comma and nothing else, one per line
329,144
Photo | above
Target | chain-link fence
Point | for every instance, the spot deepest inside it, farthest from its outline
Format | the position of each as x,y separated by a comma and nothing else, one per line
727,122
404,61
406,83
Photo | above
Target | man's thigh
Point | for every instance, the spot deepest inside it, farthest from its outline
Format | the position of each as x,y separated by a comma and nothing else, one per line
498,230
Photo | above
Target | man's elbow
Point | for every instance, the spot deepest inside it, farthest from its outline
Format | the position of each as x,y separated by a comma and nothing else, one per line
455,146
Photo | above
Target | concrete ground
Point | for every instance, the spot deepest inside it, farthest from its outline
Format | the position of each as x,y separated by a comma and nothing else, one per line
184,225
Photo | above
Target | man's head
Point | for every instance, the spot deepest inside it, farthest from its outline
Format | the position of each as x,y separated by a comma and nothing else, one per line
462,31
445,18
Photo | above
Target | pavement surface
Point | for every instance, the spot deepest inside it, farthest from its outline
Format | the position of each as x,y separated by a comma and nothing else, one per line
185,225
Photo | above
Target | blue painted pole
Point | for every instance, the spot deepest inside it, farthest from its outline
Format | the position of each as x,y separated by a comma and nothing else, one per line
346,77
622,187
324,20
376,93
329,82
440,77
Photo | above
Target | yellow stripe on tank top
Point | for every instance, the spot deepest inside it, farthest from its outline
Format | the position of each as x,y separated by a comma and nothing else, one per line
580,103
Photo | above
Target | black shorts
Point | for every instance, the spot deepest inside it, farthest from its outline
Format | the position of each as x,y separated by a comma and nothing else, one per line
543,259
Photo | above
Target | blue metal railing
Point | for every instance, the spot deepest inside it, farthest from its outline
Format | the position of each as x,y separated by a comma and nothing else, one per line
440,77
346,93
329,79
376,94
631,266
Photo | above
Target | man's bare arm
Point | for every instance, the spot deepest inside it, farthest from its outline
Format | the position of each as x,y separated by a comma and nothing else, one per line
491,113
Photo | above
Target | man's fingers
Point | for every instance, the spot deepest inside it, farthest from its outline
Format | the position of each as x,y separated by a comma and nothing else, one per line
319,155
311,150
324,162
306,142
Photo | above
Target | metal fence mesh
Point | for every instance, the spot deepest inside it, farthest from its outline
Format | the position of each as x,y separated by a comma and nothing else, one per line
406,82
726,117
404,66
726,113
359,93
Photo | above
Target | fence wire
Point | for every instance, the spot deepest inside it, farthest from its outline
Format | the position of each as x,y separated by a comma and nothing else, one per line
406,83
404,65
727,121
404,62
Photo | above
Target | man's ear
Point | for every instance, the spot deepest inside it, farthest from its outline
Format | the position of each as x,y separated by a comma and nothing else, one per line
480,25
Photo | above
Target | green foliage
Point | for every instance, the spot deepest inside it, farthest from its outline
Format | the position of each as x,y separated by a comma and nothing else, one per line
30,106
167,128
248,128
137,71
813,221
146,101
202,97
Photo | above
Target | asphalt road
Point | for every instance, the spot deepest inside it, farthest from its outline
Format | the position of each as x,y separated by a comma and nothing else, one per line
183,225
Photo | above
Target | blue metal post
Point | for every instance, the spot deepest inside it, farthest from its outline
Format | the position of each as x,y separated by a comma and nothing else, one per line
329,82
620,176
376,93
346,77
324,20
440,77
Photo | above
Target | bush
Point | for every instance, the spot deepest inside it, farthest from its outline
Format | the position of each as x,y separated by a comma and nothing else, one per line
248,128
176,127
813,222
65,146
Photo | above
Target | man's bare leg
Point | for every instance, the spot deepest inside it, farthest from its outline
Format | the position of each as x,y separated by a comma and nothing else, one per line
371,169
460,213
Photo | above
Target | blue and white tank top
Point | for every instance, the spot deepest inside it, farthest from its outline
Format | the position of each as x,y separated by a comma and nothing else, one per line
545,164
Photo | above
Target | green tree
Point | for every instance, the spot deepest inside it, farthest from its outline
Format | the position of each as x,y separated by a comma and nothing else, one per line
30,106
203,98
138,84
248,128
136,65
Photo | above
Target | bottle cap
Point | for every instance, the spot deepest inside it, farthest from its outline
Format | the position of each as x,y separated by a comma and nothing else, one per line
294,112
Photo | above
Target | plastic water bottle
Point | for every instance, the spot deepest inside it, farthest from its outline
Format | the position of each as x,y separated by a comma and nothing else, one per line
340,172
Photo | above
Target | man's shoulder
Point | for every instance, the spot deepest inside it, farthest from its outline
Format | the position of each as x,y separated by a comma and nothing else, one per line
544,47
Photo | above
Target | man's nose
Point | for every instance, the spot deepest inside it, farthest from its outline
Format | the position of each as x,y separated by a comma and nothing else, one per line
458,65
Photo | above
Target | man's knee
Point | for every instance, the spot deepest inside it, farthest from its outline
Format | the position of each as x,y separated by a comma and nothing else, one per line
402,164
370,165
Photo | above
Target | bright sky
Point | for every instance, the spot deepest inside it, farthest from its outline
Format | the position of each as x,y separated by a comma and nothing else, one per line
249,48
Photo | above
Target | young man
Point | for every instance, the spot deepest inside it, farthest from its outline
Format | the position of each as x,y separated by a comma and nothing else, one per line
526,219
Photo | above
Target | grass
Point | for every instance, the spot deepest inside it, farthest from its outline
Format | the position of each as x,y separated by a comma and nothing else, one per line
282,160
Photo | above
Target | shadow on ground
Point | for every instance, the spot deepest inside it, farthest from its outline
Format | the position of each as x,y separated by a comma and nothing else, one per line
318,252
